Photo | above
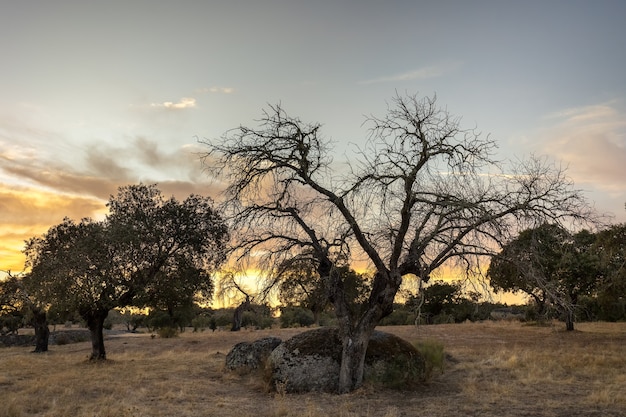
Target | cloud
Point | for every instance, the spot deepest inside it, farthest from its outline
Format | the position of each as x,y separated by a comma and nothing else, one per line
216,90
101,168
591,140
37,192
61,178
27,212
183,103
432,71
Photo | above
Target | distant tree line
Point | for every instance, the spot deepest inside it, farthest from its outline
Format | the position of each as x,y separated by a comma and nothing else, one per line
570,276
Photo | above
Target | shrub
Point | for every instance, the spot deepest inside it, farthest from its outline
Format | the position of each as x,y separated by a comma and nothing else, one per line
158,319
223,318
62,339
201,322
167,332
433,353
296,317
398,317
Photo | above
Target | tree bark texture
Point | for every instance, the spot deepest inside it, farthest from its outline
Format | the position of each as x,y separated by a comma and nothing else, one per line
352,367
355,334
95,323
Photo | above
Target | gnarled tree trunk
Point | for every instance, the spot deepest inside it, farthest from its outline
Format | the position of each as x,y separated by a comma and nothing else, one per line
95,323
352,367
355,335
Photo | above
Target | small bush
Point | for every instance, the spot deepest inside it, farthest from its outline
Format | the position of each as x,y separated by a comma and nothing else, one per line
433,353
296,317
398,317
400,373
62,339
201,322
167,332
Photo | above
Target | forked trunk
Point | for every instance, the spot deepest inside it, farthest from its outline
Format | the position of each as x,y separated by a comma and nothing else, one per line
355,334
42,332
95,323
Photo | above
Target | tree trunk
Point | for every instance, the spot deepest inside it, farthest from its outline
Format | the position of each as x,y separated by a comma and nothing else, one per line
95,323
352,367
42,331
569,320
316,317
238,315
355,334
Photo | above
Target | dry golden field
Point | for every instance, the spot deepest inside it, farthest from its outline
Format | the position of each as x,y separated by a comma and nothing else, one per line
493,369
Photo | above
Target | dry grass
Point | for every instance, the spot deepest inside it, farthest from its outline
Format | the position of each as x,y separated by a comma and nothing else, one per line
494,369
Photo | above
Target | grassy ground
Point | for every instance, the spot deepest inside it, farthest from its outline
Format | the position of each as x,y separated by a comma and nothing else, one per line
493,369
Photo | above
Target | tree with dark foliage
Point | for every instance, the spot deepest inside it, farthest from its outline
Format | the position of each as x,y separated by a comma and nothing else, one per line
16,296
148,251
551,265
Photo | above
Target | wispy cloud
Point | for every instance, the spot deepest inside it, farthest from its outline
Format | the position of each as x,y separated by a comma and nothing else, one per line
183,103
432,71
102,167
592,141
602,112
216,90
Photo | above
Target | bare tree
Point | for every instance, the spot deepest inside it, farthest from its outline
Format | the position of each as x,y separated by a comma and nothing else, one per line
422,193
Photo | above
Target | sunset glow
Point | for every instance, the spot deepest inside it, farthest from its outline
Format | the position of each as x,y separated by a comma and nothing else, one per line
85,109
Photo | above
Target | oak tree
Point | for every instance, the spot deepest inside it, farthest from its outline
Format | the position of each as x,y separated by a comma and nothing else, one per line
148,251
552,265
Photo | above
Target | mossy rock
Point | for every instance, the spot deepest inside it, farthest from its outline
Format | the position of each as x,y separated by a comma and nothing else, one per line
310,361
251,355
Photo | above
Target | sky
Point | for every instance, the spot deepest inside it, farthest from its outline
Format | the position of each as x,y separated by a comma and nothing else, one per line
96,95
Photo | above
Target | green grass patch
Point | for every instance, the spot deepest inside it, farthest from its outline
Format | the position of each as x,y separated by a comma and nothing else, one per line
434,355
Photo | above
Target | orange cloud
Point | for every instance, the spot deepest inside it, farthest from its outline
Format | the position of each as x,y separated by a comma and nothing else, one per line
37,192
28,212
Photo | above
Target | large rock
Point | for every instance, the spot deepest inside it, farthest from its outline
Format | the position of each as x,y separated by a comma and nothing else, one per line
310,361
251,355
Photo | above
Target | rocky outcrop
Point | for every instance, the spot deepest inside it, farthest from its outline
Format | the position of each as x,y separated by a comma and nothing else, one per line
251,355
310,361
